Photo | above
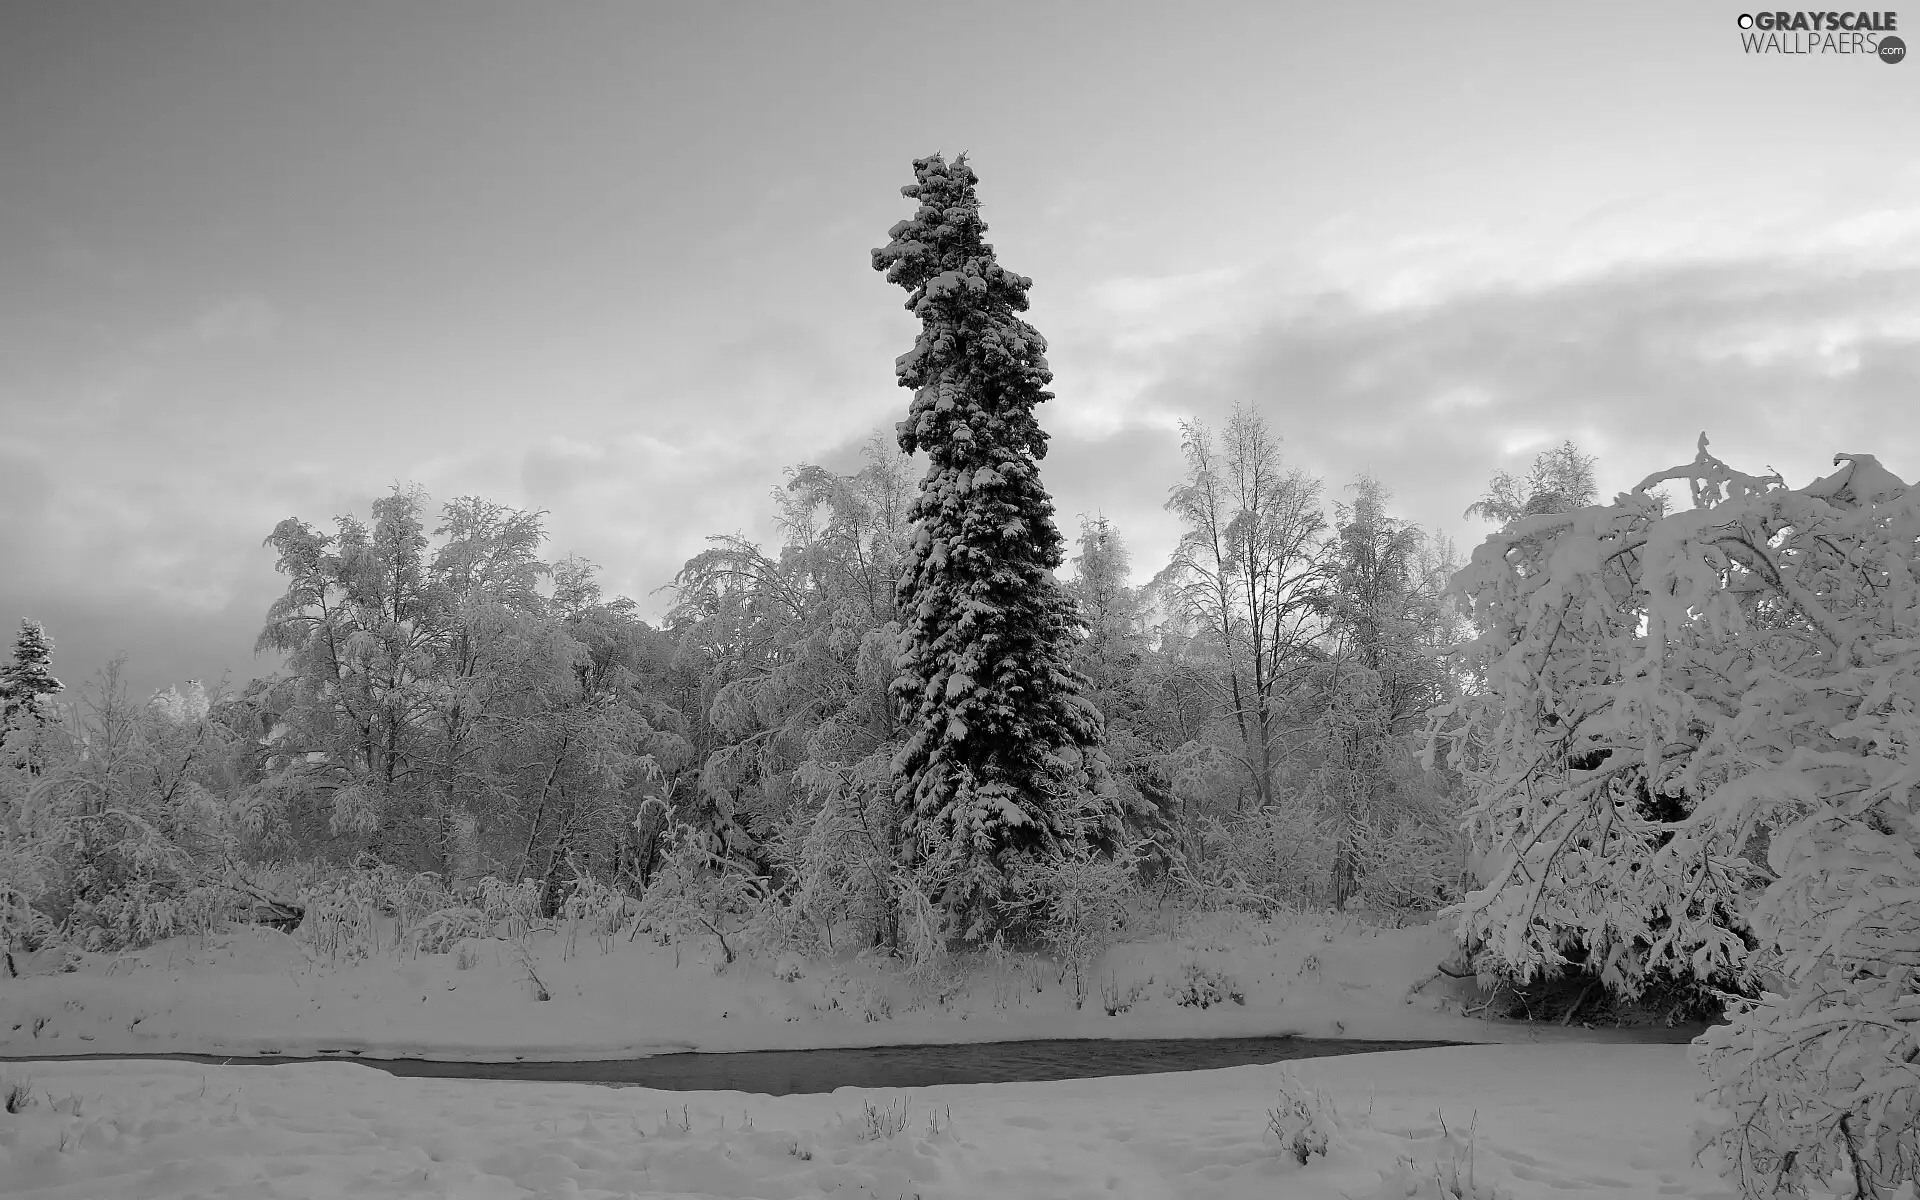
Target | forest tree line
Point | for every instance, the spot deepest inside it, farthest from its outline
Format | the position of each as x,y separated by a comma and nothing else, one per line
453,703
904,720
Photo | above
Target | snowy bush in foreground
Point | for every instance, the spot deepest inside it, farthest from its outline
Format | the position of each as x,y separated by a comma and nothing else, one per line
1667,695
1296,1123
1302,1119
1454,1179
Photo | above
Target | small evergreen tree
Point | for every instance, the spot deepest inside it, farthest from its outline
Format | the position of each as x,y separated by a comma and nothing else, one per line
28,679
1003,754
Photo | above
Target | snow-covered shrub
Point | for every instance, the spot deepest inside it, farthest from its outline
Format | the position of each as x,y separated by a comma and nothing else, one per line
695,889
1455,1178
1302,1120
511,907
1005,973
16,1095
410,898
1275,855
1201,986
446,929
921,936
846,877
116,835
142,911
599,909
1682,710
871,998
1413,867
1114,1001
289,877
22,878
1079,905
341,917
876,1124
347,912
847,886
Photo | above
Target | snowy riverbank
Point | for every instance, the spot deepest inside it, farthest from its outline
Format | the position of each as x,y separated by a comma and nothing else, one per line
1517,1121
1514,1120
252,990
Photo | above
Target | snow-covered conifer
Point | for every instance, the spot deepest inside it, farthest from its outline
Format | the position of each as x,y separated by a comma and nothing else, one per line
1003,751
27,681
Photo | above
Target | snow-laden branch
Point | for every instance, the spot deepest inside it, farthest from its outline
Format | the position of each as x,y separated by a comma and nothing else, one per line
1739,799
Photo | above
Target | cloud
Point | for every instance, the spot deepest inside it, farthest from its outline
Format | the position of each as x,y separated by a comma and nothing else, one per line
141,519
1154,297
1448,357
1124,476
1626,234
1784,360
160,645
239,319
79,259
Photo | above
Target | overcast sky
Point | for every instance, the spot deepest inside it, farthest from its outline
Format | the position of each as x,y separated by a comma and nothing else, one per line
261,260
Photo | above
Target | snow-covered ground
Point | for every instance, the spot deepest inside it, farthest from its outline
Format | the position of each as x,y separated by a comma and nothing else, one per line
1547,1117
252,990
1519,1121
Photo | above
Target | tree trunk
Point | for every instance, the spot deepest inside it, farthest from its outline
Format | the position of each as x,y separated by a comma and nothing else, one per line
540,813
1345,881
648,828
463,850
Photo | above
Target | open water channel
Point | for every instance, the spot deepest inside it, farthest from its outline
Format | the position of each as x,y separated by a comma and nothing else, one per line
786,1072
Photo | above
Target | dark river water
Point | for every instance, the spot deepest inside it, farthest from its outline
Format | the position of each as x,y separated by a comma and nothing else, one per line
785,1072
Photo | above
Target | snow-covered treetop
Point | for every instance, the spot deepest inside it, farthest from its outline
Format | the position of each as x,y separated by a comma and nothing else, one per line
1560,480
971,348
182,705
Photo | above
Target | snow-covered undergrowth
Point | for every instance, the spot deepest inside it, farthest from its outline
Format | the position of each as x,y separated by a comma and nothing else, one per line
1480,1122
255,990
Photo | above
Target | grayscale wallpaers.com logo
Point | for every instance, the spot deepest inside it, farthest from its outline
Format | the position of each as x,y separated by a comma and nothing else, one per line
1864,33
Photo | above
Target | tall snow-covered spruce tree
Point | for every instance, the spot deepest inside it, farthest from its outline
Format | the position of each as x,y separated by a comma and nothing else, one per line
1002,758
